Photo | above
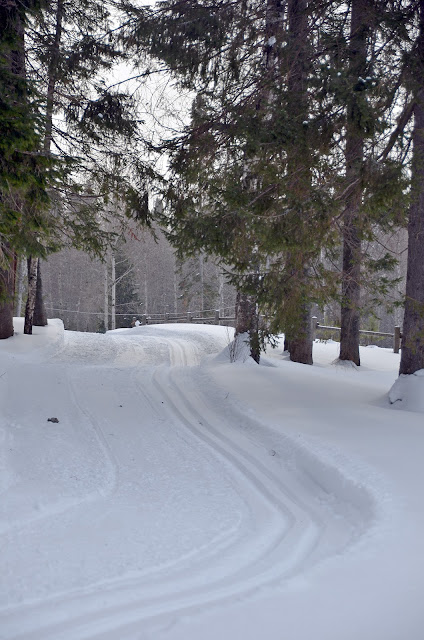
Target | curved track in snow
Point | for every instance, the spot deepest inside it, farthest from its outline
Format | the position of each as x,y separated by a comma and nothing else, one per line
276,520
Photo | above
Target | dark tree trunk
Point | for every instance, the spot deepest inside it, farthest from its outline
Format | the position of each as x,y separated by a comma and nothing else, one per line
299,335
53,76
247,321
412,355
354,156
7,286
40,314
11,30
300,344
351,292
32,291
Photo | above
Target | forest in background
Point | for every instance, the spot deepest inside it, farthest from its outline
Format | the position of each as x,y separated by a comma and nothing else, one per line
150,281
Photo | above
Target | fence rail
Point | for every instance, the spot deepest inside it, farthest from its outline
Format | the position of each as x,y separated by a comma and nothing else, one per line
189,316
396,335
216,318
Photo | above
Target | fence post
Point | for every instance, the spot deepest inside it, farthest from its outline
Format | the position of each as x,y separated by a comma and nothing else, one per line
396,340
167,317
189,316
314,324
217,319
144,319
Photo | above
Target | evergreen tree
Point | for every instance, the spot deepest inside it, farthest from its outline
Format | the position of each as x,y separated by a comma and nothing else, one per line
69,47
299,172
245,150
289,147
412,356
360,27
23,169
371,80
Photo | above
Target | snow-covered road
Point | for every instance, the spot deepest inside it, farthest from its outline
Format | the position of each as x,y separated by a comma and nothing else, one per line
162,499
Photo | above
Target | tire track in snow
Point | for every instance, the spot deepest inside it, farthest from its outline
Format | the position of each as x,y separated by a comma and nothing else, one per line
301,528
291,550
296,533
113,476
144,581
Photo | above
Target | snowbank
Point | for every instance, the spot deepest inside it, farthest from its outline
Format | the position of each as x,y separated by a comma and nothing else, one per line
408,392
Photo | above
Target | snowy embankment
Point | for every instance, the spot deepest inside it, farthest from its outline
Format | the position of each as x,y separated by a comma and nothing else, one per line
182,497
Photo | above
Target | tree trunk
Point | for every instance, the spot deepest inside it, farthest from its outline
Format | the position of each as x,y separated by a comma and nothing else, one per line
113,296
220,290
247,321
32,291
106,298
12,17
40,314
146,286
21,268
299,336
351,291
7,286
300,344
39,311
412,357
53,76
202,281
175,283
354,156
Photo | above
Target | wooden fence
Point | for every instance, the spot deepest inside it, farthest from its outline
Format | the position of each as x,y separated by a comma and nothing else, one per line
396,335
216,318
207,317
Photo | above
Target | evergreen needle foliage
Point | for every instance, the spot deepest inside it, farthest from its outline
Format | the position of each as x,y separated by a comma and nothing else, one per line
258,176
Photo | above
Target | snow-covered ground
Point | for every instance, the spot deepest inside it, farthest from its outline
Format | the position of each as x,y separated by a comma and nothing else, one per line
179,496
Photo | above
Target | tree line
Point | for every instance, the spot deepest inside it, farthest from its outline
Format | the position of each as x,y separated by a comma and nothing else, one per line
304,143
147,280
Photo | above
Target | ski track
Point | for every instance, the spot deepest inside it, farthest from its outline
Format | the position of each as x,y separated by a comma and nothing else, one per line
292,530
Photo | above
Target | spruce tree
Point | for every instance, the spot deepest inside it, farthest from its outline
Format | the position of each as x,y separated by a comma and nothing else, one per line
354,154
247,150
412,354
365,62
23,169
286,157
69,45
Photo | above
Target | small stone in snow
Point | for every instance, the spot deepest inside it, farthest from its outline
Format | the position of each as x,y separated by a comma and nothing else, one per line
52,420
